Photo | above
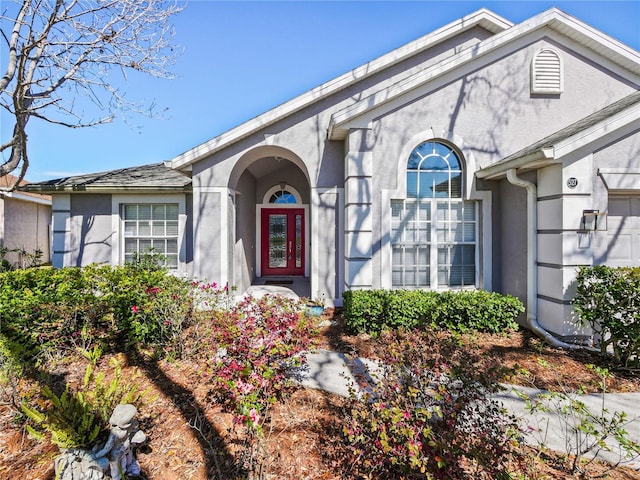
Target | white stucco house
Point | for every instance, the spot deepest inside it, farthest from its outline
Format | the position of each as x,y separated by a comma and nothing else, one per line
486,155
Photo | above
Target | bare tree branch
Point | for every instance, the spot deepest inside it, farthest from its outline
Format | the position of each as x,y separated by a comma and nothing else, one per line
61,49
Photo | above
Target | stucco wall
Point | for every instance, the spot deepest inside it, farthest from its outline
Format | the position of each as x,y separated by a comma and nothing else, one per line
512,232
290,174
492,110
24,225
321,161
245,234
210,253
91,234
490,113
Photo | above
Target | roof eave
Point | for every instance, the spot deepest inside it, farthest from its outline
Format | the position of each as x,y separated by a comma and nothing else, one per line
538,159
62,189
554,19
17,195
483,18
622,121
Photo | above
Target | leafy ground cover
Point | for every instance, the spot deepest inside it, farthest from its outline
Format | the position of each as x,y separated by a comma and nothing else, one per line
192,436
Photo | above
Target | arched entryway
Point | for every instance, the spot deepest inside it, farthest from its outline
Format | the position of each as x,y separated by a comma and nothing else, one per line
272,195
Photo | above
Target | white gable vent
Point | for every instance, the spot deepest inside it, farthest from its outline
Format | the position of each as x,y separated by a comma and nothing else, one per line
546,72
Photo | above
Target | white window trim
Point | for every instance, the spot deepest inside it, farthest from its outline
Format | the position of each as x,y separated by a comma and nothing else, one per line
484,254
434,244
117,224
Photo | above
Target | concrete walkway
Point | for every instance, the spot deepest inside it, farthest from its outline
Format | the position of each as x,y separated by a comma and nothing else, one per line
552,429
338,373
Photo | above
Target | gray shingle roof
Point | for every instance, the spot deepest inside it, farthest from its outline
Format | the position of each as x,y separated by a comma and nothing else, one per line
146,177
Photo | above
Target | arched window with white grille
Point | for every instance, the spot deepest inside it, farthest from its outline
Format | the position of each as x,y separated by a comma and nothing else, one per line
546,72
433,230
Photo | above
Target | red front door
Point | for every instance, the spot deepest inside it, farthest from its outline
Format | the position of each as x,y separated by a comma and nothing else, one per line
282,243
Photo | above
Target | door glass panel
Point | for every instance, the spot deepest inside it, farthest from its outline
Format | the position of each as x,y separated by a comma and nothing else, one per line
298,241
277,241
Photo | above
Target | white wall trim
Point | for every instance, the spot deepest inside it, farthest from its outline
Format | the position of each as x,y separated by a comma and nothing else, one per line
60,231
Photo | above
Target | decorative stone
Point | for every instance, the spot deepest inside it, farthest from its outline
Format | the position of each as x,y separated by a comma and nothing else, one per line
79,464
116,456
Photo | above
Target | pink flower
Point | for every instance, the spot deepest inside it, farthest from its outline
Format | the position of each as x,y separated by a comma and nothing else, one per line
253,416
135,309
243,387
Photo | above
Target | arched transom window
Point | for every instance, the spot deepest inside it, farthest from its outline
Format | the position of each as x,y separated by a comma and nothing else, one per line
433,230
282,193
283,196
434,171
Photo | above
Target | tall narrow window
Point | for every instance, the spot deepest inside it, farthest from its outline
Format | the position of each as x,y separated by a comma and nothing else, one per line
433,231
151,228
546,72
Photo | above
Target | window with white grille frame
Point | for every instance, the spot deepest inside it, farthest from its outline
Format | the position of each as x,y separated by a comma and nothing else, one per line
433,230
151,228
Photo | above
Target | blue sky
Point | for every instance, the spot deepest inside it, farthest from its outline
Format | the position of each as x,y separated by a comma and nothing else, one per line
243,58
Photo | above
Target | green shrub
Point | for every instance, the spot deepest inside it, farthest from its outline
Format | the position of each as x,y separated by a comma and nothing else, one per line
44,309
477,310
75,419
411,308
159,313
364,310
607,300
373,311
51,311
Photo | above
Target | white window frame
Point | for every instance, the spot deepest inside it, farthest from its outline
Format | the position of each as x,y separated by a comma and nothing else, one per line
117,222
159,243
483,213
431,239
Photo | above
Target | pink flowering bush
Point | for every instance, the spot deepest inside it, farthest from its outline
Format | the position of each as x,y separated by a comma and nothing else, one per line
254,346
431,414
211,296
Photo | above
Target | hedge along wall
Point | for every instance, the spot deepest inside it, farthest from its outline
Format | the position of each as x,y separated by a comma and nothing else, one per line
373,311
608,300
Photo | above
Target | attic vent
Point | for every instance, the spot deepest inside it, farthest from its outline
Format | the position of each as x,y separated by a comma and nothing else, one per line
546,72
